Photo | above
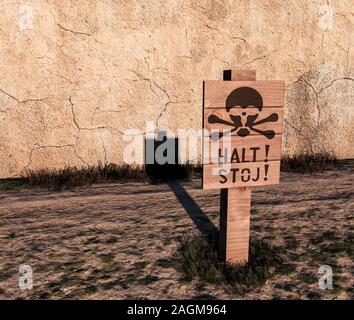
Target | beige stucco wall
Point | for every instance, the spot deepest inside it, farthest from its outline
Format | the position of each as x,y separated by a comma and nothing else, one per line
80,73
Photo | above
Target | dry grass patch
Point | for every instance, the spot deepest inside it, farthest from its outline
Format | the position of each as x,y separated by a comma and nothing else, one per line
309,163
197,258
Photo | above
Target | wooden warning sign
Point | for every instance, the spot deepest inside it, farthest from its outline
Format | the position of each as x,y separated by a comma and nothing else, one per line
242,121
242,142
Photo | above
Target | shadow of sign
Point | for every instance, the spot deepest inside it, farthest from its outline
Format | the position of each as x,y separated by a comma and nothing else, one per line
161,164
200,219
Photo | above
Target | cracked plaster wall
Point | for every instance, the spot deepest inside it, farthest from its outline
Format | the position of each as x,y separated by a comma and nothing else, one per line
82,72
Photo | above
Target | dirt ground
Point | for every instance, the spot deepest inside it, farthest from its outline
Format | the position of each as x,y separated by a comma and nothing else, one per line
115,240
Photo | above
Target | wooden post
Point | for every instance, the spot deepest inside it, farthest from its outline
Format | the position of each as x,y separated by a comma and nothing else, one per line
235,204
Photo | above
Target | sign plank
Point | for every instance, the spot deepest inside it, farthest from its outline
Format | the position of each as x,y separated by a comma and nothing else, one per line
238,175
241,149
216,92
266,113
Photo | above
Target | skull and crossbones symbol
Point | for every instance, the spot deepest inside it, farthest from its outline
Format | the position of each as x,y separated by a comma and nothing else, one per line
245,122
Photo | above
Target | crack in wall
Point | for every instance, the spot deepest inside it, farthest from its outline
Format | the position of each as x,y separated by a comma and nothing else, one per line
319,92
67,79
153,82
79,129
162,112
22,101
317,101
346,51
334,81
98,110
318,107
301,133
264,56
239,38
85,128
104,151
39,147
73,31
169,102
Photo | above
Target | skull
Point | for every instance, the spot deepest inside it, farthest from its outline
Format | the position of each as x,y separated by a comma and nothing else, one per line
244,105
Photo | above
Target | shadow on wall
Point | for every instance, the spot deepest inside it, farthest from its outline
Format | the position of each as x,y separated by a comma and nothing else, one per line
161,159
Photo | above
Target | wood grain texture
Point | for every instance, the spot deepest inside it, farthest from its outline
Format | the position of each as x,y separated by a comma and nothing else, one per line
266,112
235,202
243,75
238,239
240,175
235,207
264,131
249,149
216,92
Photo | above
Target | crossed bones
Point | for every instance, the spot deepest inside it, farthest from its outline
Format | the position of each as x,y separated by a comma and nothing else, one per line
244,130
